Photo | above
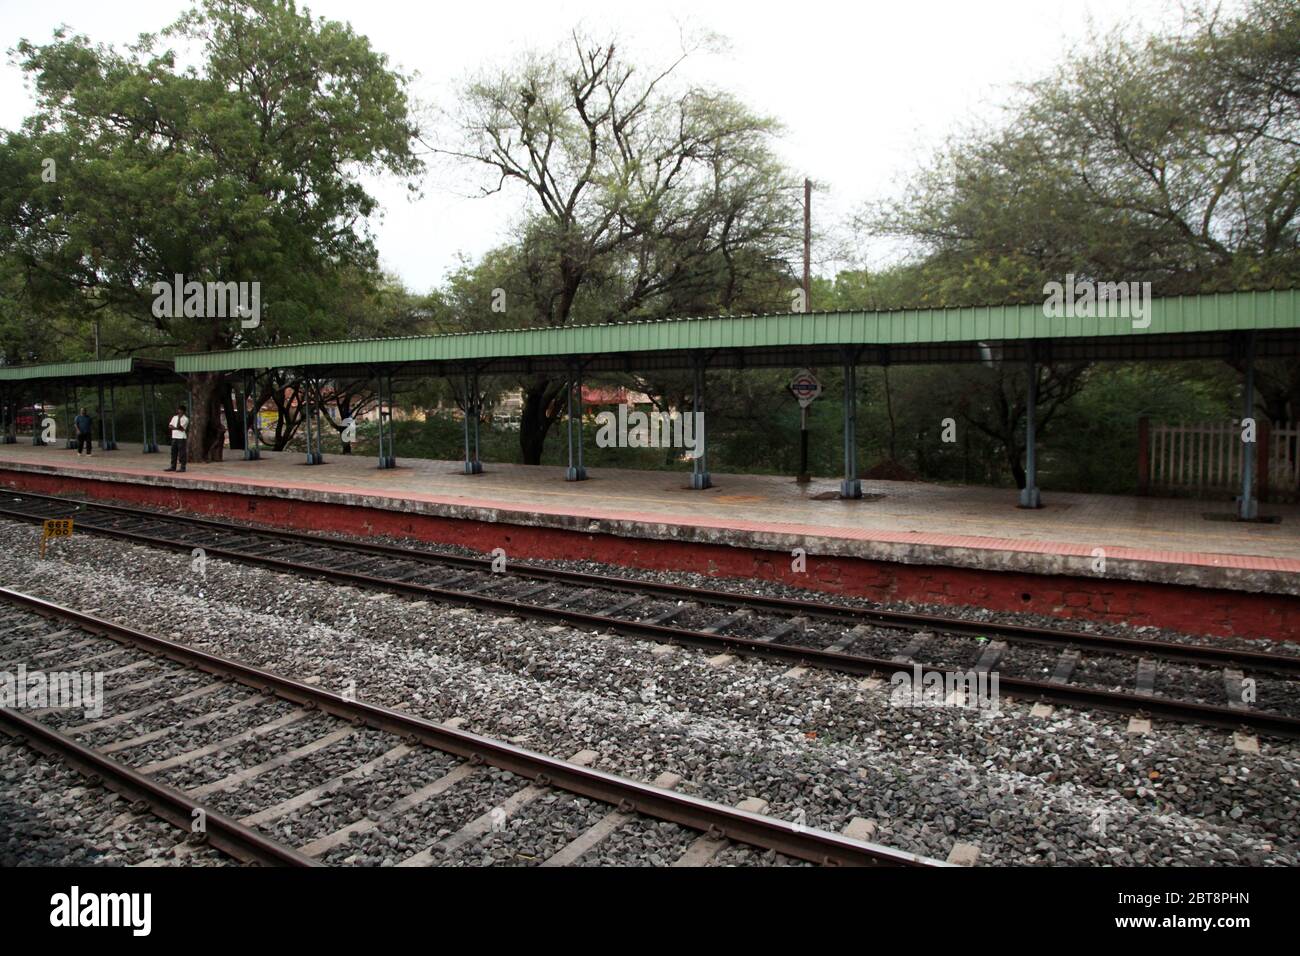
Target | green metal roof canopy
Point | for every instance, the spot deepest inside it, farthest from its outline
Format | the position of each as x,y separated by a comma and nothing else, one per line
91,373
1201,326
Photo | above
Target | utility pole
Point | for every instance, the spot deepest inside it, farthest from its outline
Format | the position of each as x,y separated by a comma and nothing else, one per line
807,244
804,476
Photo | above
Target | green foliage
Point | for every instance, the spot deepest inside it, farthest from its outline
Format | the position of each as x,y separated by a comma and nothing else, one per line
243,168
1172,160
645,198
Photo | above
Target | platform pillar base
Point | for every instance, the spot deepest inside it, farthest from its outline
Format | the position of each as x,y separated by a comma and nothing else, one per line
851,488
473,467
1030,498
701,480
576,474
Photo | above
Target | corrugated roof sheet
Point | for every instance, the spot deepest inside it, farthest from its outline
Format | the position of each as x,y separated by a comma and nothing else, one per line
1235,311
70,370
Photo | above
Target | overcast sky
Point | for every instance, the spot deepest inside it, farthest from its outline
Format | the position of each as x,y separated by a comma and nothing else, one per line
865,90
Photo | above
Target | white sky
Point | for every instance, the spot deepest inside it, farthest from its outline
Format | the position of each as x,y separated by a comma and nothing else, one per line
866,89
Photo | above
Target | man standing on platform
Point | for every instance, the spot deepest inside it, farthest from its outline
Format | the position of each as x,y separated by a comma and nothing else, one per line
180,426
82,424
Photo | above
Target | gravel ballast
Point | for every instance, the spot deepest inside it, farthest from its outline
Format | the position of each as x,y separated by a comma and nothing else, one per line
1075,788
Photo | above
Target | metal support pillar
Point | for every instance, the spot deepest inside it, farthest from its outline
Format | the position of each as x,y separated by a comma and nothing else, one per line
305,402
70,415
150,437
1247,505
254,453
477,423
153,415
311,424
851,486
252,423
243,414
112,417
379,410
1029,496
144,420
189,402
473,464
803,477
386,455
103,426
8,418
699,465
576,472
37,419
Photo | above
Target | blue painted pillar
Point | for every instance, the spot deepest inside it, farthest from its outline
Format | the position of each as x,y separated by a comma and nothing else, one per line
36,419
8,418
315,454
699,465
103,424
148,427
112,417
71,411
576,472
1029,496
473,466
153,416
257,423
386,457
850,487
1247,506
254,453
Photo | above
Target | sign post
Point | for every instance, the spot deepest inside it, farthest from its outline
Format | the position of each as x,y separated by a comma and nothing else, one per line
805,387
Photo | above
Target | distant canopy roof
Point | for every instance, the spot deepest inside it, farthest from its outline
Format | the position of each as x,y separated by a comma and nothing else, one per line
1201,326
107,371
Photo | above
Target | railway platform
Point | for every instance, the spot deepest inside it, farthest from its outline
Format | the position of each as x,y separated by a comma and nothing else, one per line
1178,563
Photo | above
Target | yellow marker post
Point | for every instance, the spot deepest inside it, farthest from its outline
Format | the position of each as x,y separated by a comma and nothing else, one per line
55,528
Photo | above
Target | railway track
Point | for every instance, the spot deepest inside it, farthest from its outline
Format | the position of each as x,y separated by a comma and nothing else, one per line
1037,663
255,754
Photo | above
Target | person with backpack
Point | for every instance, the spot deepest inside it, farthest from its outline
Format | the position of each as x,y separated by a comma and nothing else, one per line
83,424
180,426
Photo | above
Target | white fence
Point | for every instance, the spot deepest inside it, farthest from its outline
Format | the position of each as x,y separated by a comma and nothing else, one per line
1208,457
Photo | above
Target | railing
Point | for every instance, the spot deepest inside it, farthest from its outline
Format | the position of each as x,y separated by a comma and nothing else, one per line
1208,457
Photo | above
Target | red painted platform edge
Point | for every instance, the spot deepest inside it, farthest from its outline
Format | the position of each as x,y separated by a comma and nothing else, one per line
1184,608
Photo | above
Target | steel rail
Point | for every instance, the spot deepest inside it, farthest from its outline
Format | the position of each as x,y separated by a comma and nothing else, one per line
226,834
1067,694
1071,695
1193,653
790,839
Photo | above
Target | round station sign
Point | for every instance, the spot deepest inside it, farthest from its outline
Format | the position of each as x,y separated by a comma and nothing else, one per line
805,387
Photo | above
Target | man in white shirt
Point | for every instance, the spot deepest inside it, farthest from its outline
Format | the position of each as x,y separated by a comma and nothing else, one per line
180,426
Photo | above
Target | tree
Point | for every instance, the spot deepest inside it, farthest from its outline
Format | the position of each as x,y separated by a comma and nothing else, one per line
995,401
644,198
242,169
1172,160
